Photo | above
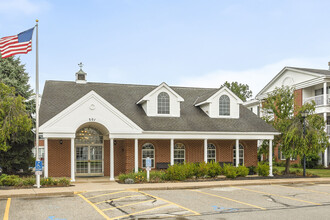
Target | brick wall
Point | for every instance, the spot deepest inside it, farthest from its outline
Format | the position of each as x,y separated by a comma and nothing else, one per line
59,158
59,154
298,98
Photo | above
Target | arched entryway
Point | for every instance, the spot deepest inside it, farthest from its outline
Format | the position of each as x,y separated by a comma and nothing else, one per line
89,152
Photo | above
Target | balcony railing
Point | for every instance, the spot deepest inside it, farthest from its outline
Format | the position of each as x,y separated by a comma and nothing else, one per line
317,99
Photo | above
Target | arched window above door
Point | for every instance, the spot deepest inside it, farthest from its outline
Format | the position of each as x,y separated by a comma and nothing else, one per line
89,135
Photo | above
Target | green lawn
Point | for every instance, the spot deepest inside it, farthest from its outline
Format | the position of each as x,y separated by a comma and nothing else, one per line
318,172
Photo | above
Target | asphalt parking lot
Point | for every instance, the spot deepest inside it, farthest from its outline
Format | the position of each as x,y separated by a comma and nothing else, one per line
243,202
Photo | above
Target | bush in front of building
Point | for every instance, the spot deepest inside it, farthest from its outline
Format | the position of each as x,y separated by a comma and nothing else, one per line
141,177
14,180
242,171
229,171
263,169
312,161
214,169
201,170
177,172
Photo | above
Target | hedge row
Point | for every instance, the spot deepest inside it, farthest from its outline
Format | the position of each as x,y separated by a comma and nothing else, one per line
185,171
14,180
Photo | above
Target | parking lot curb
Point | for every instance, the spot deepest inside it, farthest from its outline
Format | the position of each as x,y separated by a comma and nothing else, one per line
38,195
230,184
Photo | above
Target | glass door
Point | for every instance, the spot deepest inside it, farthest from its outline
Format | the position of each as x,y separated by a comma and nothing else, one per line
95,159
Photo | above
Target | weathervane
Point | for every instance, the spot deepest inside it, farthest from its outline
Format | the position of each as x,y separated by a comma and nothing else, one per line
81,65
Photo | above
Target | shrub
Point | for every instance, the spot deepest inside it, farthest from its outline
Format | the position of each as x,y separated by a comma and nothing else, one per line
229,171
252,170
10,180
296,165
64,182
201,170
242,171
157,176
279,164
312,161
122,177
190,169
30,181
214,169
176,172
263,169
276,172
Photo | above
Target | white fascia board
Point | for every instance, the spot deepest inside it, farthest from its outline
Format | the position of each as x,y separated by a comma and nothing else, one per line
202,103
281,73
163,84
59,135
83,99
200,135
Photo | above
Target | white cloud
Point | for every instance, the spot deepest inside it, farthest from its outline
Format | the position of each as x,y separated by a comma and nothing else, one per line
256,78
26,7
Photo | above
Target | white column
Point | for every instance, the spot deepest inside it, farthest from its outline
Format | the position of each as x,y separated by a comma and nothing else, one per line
112,162
72,161
237,152
172,151
325,95
270,157
46,157
205,150
325,155
136,156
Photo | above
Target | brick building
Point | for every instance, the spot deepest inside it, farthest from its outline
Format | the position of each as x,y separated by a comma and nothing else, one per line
309,84
104,129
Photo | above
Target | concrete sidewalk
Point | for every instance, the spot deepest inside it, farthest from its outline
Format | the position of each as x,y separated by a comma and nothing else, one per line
105,184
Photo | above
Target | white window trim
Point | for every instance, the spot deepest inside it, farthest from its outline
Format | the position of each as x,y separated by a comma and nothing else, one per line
184,152
215,152
146,158
169,104
225,105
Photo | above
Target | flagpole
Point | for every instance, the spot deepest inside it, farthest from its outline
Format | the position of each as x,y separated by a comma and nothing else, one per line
37,104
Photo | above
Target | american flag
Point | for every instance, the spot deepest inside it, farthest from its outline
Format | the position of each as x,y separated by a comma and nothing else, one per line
17,44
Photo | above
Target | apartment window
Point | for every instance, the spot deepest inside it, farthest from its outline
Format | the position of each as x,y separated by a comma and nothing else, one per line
148,150
179,153
163,103
211,153
241,154
224,105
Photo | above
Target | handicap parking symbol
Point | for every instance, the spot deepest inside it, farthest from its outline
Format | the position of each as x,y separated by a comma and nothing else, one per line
38,165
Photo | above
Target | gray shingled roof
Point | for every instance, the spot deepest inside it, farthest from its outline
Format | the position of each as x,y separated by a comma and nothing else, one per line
323,72
58,95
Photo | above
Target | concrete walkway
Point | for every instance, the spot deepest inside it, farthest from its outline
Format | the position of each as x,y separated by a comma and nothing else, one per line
103,184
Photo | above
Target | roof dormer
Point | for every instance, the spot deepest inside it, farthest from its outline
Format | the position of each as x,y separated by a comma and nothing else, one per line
222,103
81,75
163,101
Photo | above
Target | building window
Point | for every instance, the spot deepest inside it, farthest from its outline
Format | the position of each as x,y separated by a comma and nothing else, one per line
163,103
179,153
241,154
224,105
148,150
211,153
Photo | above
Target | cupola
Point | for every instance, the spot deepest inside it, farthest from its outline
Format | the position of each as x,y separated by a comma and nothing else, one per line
81,75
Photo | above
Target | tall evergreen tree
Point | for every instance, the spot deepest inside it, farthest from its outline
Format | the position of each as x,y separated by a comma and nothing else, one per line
18,156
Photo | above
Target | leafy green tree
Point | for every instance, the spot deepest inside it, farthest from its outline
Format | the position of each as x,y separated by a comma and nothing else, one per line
241,90
14,119
285,116
19,154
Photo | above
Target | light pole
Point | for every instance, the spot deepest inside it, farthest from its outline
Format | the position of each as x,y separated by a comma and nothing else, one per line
304,114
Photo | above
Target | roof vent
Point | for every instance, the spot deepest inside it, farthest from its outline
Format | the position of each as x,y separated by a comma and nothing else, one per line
81,75
329,65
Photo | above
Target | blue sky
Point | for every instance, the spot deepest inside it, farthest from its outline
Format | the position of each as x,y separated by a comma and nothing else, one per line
180,42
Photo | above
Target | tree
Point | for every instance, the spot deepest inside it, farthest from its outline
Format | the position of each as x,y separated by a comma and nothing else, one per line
241,90
14,119
285,116
19,150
